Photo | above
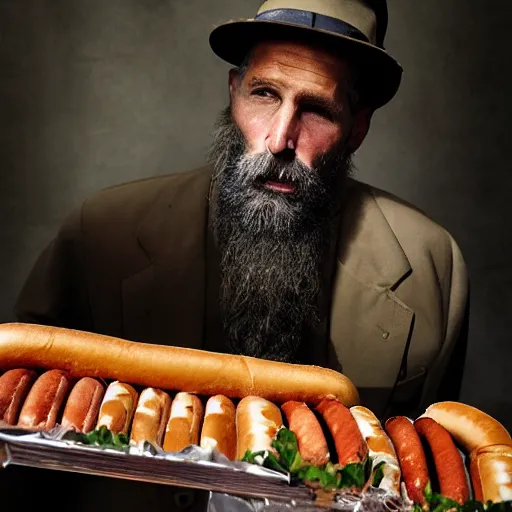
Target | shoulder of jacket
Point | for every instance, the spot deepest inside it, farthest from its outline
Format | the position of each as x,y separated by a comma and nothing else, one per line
130,201
407,220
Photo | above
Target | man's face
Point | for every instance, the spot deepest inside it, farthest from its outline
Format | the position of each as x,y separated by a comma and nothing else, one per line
281,155
292,97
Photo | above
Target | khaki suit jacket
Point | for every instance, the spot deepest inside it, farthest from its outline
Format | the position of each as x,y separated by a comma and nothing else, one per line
139,261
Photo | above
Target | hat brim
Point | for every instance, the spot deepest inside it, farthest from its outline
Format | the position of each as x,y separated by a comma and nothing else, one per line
379,73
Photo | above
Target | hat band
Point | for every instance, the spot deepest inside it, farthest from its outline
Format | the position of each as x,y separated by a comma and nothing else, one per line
313,20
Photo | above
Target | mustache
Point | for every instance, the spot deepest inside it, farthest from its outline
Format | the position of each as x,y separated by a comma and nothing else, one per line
263,167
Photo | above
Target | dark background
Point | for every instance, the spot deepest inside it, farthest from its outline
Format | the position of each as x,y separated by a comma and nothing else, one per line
96,92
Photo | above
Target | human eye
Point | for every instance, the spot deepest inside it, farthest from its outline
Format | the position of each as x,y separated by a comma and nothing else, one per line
318,110
264,92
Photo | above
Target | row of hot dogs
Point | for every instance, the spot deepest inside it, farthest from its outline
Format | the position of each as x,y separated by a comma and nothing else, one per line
238,411
329,431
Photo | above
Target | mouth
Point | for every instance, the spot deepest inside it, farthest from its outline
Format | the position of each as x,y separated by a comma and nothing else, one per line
281,187
277,184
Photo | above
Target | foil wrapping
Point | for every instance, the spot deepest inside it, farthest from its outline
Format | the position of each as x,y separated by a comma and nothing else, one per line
233,485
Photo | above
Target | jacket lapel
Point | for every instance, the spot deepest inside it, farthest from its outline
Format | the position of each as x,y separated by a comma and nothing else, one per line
167,298
370,326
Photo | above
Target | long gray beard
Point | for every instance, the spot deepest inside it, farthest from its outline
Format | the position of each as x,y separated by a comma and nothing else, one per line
272,245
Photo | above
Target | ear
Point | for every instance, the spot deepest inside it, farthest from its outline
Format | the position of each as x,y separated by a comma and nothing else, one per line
234,81
360,127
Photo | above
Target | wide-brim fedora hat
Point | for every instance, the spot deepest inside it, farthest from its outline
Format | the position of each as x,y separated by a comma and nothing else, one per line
354,28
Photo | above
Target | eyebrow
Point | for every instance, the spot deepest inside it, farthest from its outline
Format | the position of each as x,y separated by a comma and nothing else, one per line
316,100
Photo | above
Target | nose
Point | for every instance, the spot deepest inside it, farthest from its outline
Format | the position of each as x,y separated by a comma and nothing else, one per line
283,131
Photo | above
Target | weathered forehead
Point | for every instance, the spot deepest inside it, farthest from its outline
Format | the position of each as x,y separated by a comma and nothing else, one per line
301,53
299,63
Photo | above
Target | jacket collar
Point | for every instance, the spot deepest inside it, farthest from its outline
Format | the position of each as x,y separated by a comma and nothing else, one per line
368,323
368,248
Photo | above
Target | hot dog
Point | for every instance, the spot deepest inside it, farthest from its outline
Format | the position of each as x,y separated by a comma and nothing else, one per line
470,427
257,422
380,447
45,400
85,354
184,423
413,462
219,426
491,473
83,405
310,437
350,445
447,460
151,415
14,387
117,407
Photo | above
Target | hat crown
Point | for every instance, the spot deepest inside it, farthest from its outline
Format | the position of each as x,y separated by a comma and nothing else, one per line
357,13
354,28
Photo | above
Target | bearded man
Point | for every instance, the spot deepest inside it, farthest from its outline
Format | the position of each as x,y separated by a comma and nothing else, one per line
273,250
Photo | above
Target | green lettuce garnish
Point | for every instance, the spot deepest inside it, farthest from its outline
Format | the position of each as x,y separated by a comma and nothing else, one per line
104,438
378,474
435,502
289,461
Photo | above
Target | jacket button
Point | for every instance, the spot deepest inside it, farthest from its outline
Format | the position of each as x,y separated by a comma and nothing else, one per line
183,500
385,335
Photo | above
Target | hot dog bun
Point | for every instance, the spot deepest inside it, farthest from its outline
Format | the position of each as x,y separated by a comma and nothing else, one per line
257,422
14,387
491,473
380,447
83,405
184,423
86,354
470,427
219,426
150,417
44,400
117,407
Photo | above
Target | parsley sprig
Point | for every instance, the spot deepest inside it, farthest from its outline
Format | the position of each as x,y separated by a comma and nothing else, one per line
435,502
328,477
103,438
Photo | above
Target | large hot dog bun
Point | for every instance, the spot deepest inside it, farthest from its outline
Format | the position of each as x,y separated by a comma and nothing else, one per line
491,473
470,427
173,368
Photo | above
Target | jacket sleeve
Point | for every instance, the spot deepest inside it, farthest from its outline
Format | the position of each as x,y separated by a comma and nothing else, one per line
55,291
445,376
